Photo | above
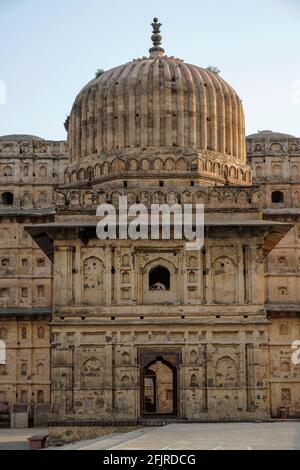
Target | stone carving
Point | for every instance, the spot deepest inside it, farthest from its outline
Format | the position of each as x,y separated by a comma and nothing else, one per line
194,381
74,199
285,365
283,329
125,358
40,368
125,381
226,372
193,357
93,270
41,332
91,367
7,171
192,262
224,280
43,171
172,198
42,198
125,260
276,147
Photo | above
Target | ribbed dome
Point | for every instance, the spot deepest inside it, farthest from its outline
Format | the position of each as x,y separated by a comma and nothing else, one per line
157,102
266,134
19,138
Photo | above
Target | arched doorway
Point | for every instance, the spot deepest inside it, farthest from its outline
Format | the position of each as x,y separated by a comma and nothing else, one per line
158,387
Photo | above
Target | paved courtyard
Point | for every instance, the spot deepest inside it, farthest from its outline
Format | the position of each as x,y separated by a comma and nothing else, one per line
202,436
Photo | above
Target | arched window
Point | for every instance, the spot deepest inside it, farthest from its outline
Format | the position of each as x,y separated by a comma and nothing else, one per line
40,396
277,197
7,198
159,278
24,332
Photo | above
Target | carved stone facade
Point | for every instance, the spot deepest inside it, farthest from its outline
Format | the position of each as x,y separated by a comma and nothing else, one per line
29,169
145,328
275,159
207,325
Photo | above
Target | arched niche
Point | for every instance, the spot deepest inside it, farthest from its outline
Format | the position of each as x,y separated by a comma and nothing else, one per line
93,275
42,171
226,372
224,271
160,282
159,278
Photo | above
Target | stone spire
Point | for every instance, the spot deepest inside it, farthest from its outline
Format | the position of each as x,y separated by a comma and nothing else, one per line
156,38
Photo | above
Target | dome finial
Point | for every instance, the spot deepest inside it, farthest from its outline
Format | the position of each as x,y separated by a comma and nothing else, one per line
156,38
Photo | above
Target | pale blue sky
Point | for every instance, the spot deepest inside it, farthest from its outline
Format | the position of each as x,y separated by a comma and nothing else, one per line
49,49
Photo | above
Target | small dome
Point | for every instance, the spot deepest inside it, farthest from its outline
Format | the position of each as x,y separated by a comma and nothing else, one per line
19,138
270,135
